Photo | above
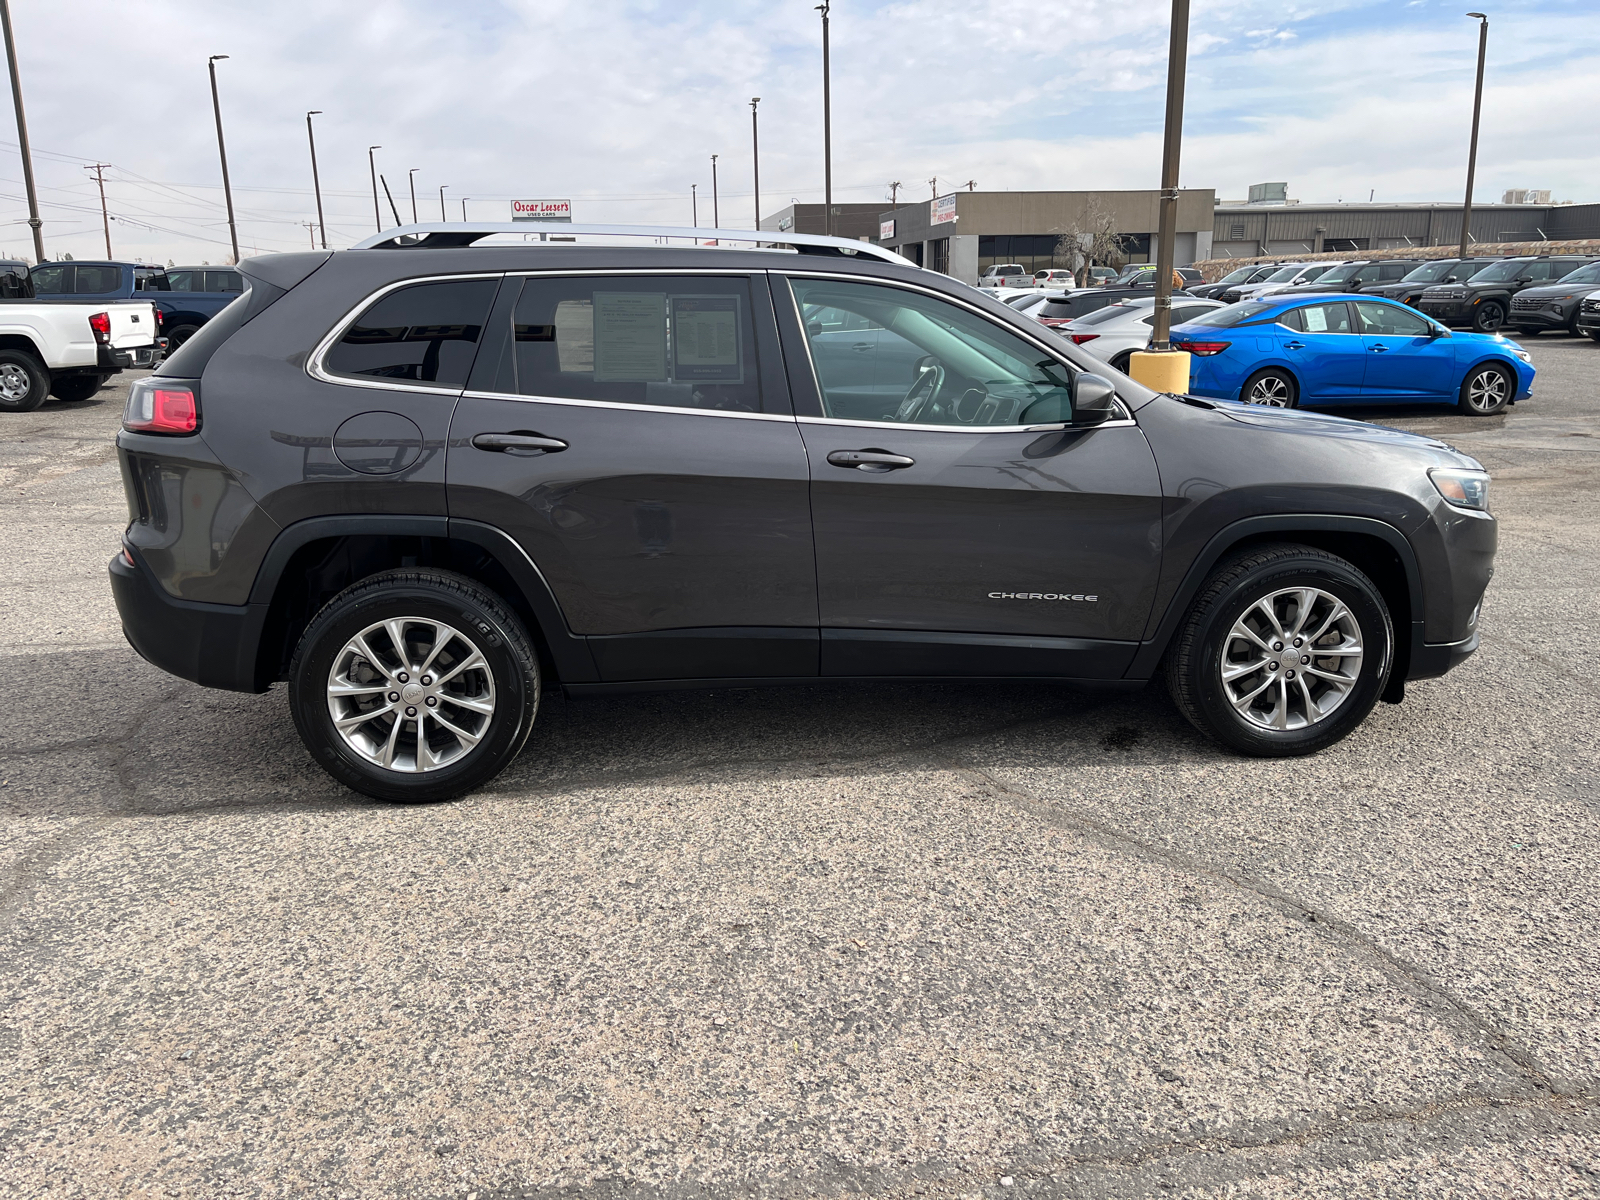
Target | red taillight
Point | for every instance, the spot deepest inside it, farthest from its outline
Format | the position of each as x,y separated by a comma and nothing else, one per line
1204,349
101,324
155,406
1079,339
159,318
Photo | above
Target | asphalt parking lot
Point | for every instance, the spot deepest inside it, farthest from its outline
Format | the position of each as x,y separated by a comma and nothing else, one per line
940,940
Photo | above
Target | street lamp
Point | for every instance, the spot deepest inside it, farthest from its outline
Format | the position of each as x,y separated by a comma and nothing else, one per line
1167,230
22,136
464,200
1472,151
716,221
755,157
694,203
372,165
827,128
315,182
222,149
442,216
411,178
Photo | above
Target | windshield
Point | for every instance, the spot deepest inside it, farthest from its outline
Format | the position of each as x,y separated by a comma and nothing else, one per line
1282,275
1508,268
1233,314
1316,273
1238,276
1589,274
1341,274
1428,272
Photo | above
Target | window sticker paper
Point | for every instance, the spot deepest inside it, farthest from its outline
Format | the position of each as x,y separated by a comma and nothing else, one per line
705,339
630,337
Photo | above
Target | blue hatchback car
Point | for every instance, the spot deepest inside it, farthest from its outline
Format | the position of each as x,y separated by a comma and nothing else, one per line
1350,349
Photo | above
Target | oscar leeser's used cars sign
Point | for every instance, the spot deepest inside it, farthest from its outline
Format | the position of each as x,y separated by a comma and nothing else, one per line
541,210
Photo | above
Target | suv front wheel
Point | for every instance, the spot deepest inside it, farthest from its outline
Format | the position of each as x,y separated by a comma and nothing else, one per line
1286,651
414,685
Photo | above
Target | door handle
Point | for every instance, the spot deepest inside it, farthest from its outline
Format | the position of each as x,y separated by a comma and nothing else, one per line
1294,345
518,442
1380,348
861,347
870,460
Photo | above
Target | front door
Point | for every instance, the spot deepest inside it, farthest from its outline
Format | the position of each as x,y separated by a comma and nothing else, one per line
1404,358
634,435
965,530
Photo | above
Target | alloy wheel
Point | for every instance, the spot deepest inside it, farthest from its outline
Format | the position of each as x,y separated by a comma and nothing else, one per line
1292,658
411,694
1271,390
1486,391
15,383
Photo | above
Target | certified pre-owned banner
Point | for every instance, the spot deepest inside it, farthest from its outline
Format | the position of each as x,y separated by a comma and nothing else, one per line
941,210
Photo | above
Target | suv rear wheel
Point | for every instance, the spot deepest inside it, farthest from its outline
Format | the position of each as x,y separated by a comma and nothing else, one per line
1286,651
414,685
24,383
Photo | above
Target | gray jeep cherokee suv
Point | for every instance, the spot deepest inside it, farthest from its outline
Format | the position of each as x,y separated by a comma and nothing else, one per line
422,480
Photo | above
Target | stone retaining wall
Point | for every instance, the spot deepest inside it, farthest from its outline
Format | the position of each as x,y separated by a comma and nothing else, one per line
1215,268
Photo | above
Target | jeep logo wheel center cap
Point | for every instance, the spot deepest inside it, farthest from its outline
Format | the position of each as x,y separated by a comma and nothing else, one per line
412,693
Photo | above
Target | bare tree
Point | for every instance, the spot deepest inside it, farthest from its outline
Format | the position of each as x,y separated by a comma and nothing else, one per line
1090,239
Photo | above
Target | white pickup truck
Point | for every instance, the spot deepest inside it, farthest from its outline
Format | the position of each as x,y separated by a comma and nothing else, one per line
66,350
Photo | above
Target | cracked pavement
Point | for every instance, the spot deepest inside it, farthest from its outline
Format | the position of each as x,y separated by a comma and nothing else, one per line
944,941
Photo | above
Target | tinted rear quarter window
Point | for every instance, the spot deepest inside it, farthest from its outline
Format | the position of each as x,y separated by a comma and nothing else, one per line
224,281
661,340
182,281
95,281
425,333
54,280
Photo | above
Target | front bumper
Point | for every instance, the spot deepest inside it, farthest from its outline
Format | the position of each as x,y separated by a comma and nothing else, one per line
1589,320
1446,312
1541,317
213,645
1429,660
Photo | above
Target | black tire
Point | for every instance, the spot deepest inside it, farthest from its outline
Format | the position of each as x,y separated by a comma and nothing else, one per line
1481,396
76,388
1489,317
508,682
1123,362
1195,662
24,383
1273,388
180,335
1595,335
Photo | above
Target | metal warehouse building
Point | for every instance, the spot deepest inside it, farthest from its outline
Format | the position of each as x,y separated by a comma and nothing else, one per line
1270,230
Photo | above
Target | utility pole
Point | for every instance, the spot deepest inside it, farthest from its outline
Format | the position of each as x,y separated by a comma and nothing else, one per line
105,219
222,149
411,178
694,204
755,156
934,184
311,228
894,190
1167,233
972,185
316,183
464,200
716,220
372,165
22,135
442,217
827,127
1472,152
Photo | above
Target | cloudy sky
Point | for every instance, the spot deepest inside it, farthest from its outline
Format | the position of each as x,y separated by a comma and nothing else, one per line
619,104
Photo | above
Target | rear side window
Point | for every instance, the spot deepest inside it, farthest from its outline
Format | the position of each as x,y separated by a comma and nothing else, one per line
94,281
224,281
1390,272
425,333
183,281
1326,318
661,340
54,280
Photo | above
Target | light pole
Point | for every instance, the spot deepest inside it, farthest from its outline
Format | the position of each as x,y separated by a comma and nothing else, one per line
372,165
755,156
827,128
316,183
1167,233
22,135
694,204
105,217
716,220
222,149
464,200
411,178
442,217
1472,151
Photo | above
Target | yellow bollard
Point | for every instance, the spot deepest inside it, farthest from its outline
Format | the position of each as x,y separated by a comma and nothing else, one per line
1160,370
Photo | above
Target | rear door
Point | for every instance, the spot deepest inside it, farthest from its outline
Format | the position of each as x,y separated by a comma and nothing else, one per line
633,433
1324,351
1403,359
967,532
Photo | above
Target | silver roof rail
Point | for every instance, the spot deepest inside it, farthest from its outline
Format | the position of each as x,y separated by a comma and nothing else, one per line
437,234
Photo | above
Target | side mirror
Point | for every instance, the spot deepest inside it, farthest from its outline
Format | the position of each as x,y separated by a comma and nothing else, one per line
1094,400
1438,331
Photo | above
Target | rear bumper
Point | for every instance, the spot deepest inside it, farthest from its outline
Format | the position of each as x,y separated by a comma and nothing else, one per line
210,644
141,356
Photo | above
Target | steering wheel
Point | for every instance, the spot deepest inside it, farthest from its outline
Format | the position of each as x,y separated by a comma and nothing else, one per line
924,389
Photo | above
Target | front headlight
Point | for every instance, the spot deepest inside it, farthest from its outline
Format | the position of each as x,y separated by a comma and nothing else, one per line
1462,487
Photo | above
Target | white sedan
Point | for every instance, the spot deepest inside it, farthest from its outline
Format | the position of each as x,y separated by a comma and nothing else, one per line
1113,333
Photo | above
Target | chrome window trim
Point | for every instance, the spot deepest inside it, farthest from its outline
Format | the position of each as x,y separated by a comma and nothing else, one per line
1124,420
730,272
619,404
319,372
